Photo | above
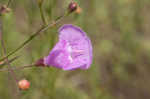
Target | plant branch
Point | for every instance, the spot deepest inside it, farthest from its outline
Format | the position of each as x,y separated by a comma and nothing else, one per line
43,29
9,1
42,15
15,92
4,50
18,68
2,63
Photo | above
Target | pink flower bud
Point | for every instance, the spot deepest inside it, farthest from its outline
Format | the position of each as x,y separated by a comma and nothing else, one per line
72,6
4,9
24,84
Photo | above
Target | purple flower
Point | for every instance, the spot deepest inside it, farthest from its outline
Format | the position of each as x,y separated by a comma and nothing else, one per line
73,50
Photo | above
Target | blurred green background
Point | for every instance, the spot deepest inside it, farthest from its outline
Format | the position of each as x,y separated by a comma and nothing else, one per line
119,31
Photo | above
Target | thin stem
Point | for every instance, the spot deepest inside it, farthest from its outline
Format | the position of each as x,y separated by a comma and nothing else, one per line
9,1
43,29
15,92
7,61
18,68
2,63
42,15
9,65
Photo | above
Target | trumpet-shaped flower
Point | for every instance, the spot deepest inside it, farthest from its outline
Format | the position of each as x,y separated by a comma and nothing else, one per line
73,50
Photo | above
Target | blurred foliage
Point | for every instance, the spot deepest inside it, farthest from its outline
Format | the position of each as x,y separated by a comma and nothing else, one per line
119,30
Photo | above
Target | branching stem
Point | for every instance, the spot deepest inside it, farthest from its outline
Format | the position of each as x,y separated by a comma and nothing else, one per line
43,29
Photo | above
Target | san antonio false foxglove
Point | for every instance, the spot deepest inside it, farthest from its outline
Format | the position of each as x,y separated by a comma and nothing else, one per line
73,50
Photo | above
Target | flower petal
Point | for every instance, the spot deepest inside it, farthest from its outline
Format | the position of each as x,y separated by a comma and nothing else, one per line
58,57
78,40
74,49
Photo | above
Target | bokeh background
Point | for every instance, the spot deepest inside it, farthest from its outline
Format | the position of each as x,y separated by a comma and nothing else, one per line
120,34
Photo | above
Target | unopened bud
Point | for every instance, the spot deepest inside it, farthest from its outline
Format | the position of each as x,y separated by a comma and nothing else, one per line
78,10
72,6
24,84
4,9
2,62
